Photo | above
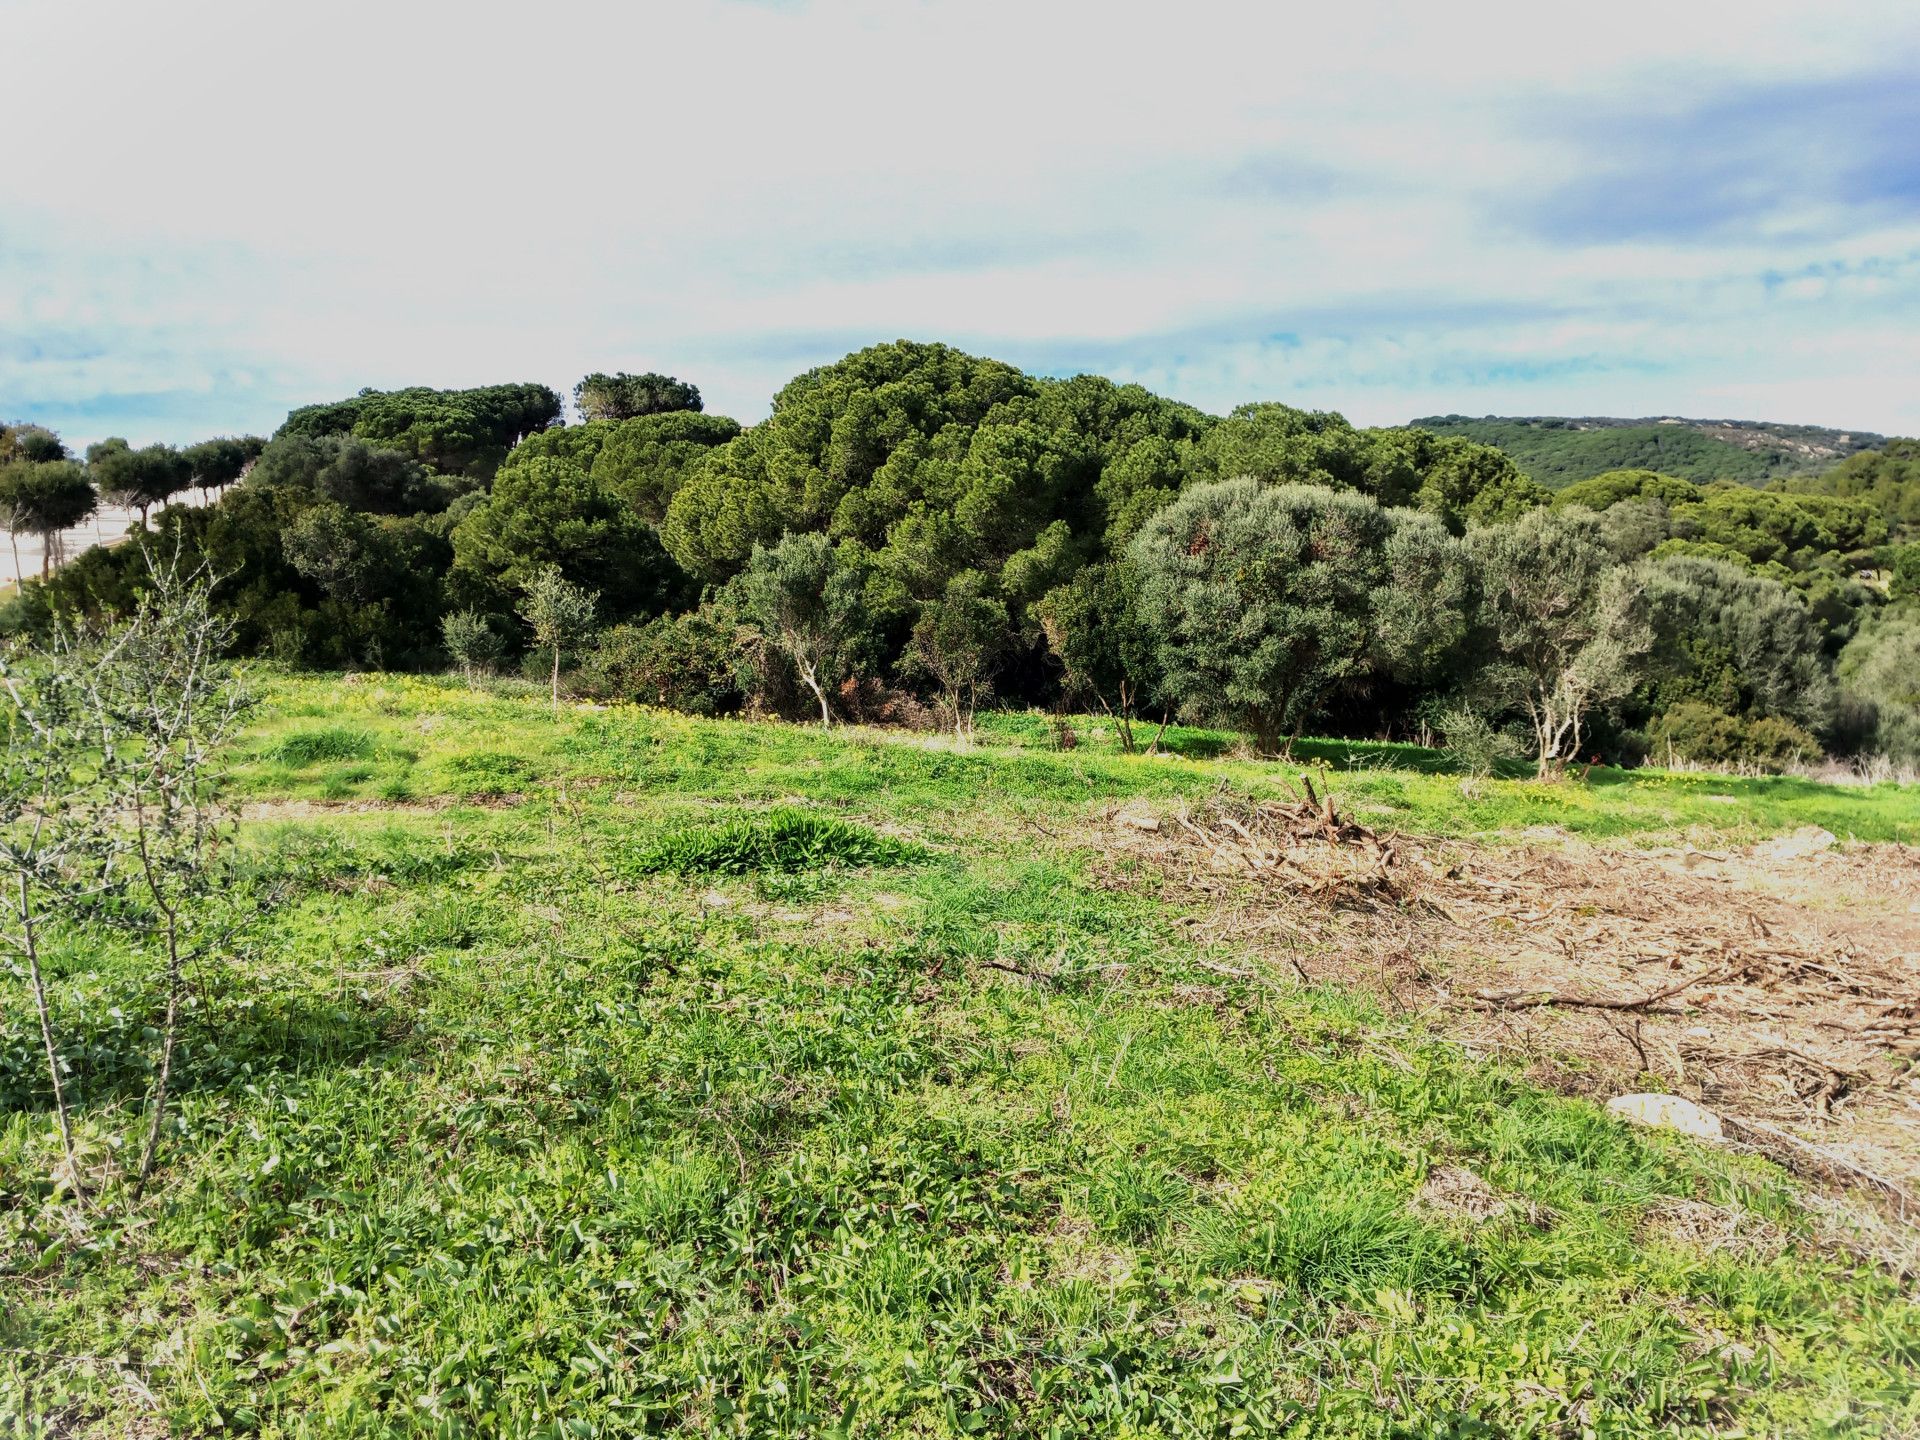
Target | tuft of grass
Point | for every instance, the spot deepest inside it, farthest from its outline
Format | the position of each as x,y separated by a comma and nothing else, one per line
1335,1241
786,840
321,745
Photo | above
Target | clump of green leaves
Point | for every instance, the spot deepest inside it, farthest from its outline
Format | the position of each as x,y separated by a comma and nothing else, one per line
314,747
787,840
472,642
1473,744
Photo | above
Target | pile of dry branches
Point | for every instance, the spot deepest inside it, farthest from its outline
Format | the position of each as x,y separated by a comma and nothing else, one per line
1303,845
1778,992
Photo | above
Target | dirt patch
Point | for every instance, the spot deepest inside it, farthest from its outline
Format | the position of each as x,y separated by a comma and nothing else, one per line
430,805
1457,1193
1771,985
1718,1228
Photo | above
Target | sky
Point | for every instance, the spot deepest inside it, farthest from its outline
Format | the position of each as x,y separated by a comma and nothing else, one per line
214,211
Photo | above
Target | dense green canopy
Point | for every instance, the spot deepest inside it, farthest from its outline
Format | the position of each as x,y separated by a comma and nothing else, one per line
455,432
913,523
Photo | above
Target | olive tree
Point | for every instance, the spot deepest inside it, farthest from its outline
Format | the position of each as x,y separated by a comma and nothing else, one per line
1261,600
52,825
805,604
472,642
1740,642
560,614
1093,628
161,701
1567,626
957,643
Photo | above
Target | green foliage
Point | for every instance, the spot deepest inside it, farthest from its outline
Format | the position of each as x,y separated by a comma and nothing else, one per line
1455,479
138,479
1697,732
34,444
646,460
1558,451
958,643
688,662
627,397
1788,529
1106,653
1887,479
472,642
785,840
349,472
1735,641
1881,667
1567,628
1472,743
804,601
1421,603
217,463
918,469
1263,599
455,432
1903,565
43,498
549,512
560,614
876,440
1603,491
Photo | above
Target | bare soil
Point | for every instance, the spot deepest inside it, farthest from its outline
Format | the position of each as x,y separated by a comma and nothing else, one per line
1778,984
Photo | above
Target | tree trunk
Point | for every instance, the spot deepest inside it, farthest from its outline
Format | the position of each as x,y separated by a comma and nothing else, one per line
556,679
1123,718
32,946
810,678
174,980
1166,717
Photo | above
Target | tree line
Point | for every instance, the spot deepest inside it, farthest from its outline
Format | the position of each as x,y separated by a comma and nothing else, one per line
916,529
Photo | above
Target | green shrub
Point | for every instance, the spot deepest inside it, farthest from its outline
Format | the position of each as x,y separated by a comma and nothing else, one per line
313,747
787,840
1706,736
489,772
1473,745
684,662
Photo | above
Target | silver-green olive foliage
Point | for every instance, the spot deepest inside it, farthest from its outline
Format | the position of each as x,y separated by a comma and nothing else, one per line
1262,600
1567,625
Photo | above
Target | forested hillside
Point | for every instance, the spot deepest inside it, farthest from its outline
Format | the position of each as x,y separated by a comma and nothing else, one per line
915,531
1887,478
1558,450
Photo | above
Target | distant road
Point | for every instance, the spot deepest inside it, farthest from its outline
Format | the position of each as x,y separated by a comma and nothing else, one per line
109,526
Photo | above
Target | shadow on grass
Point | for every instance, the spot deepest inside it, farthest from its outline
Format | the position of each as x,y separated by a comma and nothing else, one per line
109,1042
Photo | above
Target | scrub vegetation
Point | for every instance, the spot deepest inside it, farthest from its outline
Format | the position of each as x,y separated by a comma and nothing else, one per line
916,534
623,1072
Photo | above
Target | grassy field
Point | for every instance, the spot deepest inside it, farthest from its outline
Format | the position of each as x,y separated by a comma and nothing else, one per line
620,1073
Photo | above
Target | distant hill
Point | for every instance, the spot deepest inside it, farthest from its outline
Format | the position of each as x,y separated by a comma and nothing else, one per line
1558,450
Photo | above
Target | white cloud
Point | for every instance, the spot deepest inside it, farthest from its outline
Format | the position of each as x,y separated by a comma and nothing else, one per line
222,208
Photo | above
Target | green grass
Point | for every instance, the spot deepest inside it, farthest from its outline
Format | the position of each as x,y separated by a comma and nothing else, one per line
630,1074
786,840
